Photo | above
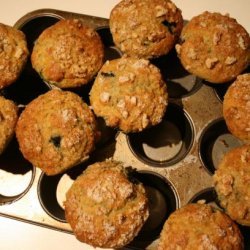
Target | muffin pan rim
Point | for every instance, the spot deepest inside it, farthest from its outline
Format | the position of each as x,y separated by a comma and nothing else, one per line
173,173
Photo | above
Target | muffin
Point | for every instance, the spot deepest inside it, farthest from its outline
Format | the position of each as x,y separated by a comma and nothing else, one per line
199,226
8,120
104,207
236,107
13,54
145,29
56,131
68,54
232,184
129,94
214,47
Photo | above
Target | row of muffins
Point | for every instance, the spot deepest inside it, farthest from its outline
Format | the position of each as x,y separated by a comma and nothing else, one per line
69,54
232,178
102,95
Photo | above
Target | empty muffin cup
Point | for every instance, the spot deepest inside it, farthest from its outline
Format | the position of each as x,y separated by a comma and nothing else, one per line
163,200
51,193
214,142
167,143
207,196
16,174
52,190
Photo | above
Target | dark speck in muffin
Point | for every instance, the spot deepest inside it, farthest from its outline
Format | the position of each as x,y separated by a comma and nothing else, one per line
170,26
56,140
108,74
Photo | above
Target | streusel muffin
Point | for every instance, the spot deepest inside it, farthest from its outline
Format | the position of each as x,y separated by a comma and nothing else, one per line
8,120
236,107
232,184
199,226
104,207
129,94
145,29
13,54
56,131
68,54
214,47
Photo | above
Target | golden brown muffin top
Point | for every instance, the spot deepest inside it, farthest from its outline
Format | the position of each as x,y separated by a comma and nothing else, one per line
8,120
56,131
13,54
199,226
232,184
214,47
145,29
68,54
130,94
105,208
236,107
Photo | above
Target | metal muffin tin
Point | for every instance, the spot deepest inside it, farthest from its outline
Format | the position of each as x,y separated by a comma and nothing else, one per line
175,160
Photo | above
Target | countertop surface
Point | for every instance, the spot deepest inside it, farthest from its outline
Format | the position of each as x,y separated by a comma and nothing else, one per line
15,234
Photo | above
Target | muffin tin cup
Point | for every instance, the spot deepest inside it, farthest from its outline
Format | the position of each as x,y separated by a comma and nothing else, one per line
175,160
215,142
47,194
167,143
17,174
163,200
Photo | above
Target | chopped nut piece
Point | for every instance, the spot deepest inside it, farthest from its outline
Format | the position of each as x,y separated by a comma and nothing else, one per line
246,97
145,121
172,6
203,201
132,76
127,78
216,38
178,48
230,60
141,64
222,26
227,184
104,97
121,104
210,62
123,79
192,54
125,114
133,100
134,35
203,24
160,11
241,42
18,53
162,100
